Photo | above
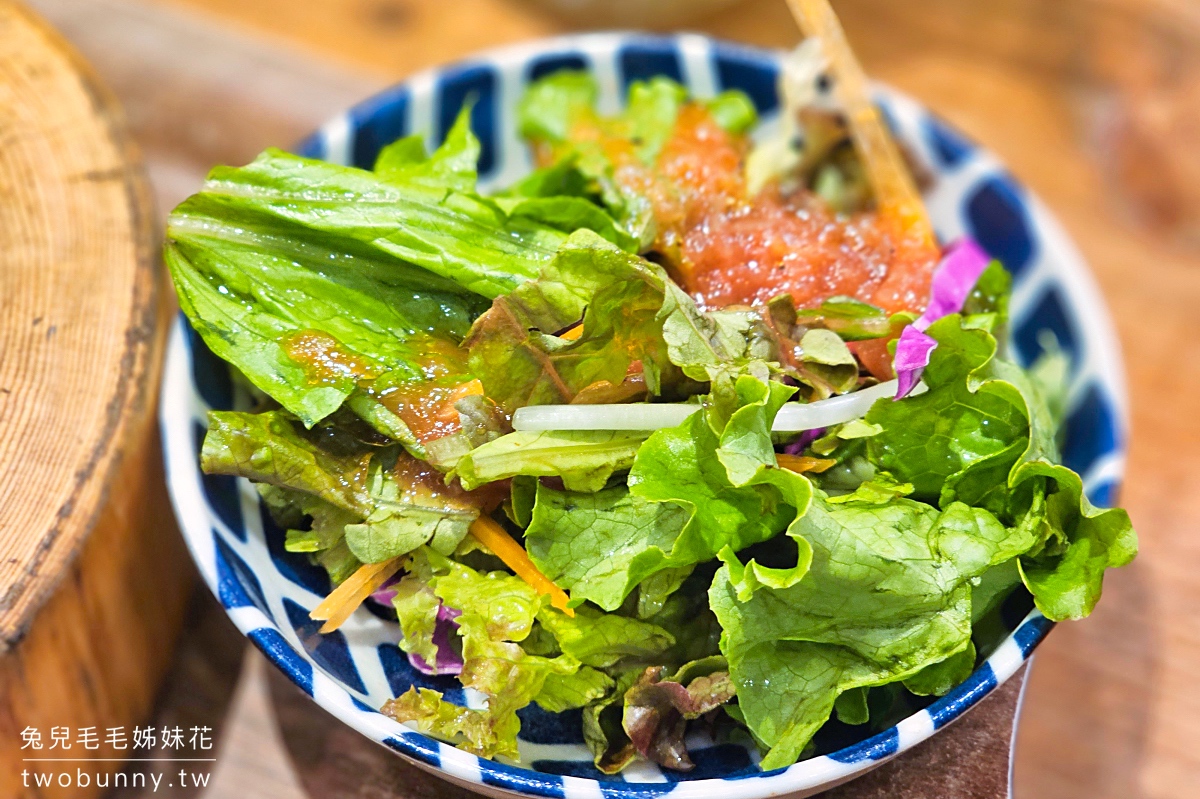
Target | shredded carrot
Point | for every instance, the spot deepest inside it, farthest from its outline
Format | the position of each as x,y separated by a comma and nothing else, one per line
467,389
896,194
345,599
447,412
573,333
803,463
502,545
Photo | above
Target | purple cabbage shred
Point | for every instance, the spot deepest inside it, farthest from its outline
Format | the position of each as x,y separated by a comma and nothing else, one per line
953,281
912,356
385,593
449,661
958,273
807,437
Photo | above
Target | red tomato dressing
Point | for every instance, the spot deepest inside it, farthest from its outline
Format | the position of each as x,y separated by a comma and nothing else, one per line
728,248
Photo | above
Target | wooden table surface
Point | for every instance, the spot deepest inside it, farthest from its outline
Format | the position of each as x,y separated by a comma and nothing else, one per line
1095,104
82,331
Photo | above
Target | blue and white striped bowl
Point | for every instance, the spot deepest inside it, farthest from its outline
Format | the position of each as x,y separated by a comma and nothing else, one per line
268,592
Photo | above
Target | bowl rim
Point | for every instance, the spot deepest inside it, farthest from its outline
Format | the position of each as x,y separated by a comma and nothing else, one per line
177,405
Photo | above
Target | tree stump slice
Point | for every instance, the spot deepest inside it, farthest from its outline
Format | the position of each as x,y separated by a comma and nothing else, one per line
93,575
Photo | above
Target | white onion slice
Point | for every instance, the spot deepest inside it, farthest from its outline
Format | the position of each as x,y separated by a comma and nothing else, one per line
639,416
793,417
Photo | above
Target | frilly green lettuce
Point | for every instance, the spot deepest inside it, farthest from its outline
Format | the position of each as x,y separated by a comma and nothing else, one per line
288,245
724,472
705,488
600,546
499,612
618,297
887,594
984,435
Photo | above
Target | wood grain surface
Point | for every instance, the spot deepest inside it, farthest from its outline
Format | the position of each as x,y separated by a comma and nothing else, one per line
93,577
76,337
1095,104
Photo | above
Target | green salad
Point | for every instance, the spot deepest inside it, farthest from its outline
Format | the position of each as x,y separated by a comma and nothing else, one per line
643,434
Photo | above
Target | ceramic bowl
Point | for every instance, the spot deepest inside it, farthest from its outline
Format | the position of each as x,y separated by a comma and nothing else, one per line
268,592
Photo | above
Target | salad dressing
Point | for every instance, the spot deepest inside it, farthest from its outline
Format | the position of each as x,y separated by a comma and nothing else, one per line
794,245
419,483
324,360
425,403
428,408
729,248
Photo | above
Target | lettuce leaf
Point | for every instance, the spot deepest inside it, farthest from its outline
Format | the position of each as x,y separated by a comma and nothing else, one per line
656,590
603,731
568,214
851,707
583,459
650,114
476,731
556,107
648,711
497,611
990,295
557,115
325,539
251,292
811,353
695,491
451,166
983,434
725,475
393,509
550,106
937,679
888,593
618,296
851,319
563,692
633,316
657,709
1067,576
715,345
600,546
417,608
338,560
563,178
959,439
460,240
288,246
268,448
1076,542
733,111
603,640
403,520
685,614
